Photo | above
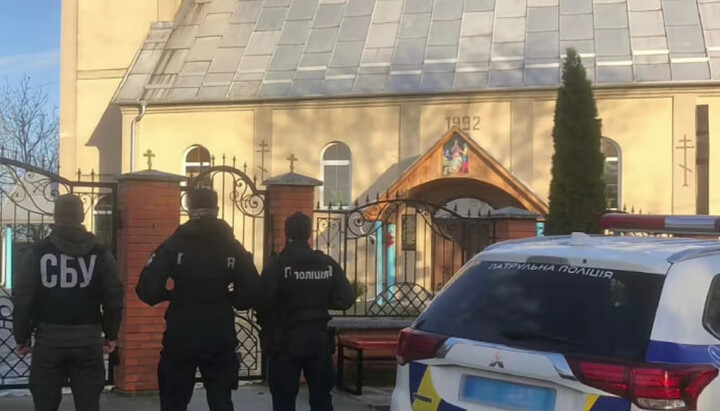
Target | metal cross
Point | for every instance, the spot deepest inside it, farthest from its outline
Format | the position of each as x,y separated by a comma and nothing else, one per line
292,159
684,166
263,149
149,154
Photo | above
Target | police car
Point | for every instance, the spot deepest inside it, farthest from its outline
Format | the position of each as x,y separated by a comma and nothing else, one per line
573,323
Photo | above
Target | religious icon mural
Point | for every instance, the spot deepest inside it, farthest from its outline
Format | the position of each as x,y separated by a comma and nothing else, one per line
455,157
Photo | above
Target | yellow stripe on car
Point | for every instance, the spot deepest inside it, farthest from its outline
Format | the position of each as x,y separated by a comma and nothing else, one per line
590,402
426,399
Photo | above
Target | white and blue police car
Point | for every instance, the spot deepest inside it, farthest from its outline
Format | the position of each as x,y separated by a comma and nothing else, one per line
573,323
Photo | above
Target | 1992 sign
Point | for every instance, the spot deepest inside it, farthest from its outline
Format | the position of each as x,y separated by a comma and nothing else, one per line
465,123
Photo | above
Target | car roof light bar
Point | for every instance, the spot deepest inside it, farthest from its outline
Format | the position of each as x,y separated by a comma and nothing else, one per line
669,224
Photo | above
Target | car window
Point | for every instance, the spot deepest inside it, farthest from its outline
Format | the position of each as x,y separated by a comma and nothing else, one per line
549,307
711,317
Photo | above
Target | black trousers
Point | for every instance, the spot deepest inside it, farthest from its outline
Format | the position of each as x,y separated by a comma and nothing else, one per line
303,350
176,378
52,366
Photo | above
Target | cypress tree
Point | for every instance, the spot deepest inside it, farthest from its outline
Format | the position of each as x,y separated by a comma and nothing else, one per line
577,189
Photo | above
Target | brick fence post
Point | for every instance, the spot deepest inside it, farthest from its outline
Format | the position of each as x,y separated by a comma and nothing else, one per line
286,195
514,224
149,206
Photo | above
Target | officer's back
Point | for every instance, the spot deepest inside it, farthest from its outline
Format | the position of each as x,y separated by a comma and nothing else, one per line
310,282
201,305
212,274
69,292
300,286
203,259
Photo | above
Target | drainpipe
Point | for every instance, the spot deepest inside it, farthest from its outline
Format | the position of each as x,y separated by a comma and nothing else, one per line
133,136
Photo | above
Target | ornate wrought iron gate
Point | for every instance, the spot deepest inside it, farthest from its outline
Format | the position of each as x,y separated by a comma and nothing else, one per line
242,205
27,197
398,252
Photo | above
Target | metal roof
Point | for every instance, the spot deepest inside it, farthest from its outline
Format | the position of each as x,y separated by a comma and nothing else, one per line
235,50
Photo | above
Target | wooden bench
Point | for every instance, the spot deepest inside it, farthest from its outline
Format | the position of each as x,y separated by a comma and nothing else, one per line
398,303
360,344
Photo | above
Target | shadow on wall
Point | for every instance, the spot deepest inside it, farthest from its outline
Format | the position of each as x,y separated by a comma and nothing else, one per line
107,138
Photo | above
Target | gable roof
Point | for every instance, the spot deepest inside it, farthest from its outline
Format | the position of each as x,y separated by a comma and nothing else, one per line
237,50
483,167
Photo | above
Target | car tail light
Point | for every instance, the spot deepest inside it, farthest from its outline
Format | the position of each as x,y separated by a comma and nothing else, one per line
416,345
649,386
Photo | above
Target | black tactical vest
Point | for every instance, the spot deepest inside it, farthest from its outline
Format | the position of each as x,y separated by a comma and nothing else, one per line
69,288
306,285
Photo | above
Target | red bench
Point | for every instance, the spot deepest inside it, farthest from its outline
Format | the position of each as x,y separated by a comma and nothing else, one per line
382,344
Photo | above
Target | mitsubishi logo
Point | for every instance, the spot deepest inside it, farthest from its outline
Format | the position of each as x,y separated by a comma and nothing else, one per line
497,362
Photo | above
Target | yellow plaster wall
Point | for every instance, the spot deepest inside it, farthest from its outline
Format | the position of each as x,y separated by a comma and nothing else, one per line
99,128
542,146
684,187
371,133
100,38
110,32
167,9
487,123
643,127
169,135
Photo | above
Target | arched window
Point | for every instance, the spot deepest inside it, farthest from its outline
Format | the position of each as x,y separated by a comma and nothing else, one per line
612,173
337,175
197,160
103,224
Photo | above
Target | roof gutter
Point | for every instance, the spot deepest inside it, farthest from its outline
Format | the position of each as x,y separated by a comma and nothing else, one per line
133,136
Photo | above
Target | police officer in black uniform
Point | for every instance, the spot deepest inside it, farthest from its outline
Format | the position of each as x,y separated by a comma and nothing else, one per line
299,286
63,282
212,273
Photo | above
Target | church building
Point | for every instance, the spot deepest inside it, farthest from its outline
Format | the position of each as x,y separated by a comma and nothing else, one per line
438,100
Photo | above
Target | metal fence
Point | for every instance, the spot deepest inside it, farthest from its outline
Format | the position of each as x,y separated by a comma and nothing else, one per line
27,198
398,253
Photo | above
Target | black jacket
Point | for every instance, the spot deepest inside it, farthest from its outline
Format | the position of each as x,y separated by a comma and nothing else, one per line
300,285
212,273
67,279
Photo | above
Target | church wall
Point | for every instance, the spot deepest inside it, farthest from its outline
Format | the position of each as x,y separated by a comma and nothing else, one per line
98,129
643,127
371,133
110,32
684,187
522,160
488,123
714,119
170,134
542,146
100,39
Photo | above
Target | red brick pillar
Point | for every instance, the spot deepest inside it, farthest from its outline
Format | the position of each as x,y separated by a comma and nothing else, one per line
286,195
149,206
514,225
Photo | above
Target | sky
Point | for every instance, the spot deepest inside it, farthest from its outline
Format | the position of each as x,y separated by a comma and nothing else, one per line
30,43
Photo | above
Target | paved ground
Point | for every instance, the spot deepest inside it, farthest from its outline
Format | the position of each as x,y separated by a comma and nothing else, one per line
253,397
